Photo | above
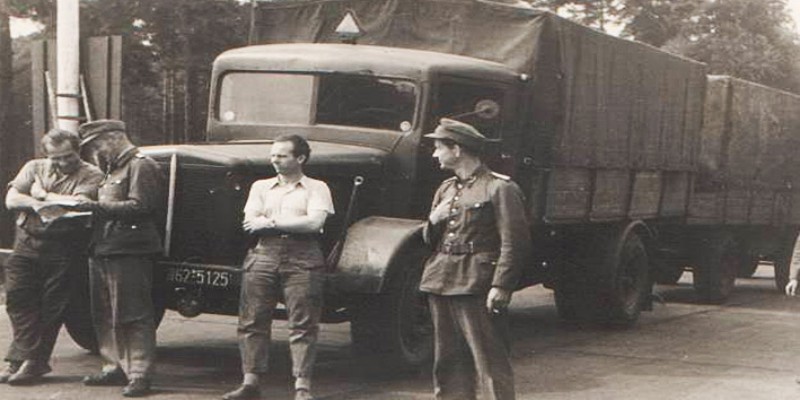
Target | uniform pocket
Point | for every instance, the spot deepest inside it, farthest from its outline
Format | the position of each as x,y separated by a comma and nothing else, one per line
116,189
479,213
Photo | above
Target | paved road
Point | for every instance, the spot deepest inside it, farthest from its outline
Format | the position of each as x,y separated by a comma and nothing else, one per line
746,349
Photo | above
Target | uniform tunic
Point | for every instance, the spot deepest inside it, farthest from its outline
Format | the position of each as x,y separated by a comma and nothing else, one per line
483,243
122,249
37,273
283,266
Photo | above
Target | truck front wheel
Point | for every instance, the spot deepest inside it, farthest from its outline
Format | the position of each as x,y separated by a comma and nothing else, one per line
78,315
395,324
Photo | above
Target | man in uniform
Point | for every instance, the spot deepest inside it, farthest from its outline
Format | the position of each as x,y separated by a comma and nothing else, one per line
122,249
480,235
286,213
37,273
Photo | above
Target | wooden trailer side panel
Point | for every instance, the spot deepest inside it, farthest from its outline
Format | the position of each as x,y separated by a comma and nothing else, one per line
748,156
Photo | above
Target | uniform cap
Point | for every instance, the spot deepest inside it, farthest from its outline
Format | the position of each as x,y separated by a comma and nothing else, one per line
92,130
459,132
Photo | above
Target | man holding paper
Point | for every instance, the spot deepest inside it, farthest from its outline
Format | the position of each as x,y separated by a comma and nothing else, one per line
47,242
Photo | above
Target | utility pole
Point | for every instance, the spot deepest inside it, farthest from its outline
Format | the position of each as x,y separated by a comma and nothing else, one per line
251,34
68,64
7,138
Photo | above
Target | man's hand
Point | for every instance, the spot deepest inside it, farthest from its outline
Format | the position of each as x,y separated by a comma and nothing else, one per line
791,287
37,192
441,212
498,299
258,223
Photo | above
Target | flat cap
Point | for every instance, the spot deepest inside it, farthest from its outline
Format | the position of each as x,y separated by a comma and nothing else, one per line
92,130
459,132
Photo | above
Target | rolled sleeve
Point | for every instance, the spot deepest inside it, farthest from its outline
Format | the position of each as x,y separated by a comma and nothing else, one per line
255,203
25,177
319,198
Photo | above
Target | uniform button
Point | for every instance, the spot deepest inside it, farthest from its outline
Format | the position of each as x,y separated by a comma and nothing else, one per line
455,198
453,211
451,234
460,186
452,222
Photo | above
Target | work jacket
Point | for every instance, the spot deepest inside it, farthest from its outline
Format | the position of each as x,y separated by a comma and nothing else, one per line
130,198
484,241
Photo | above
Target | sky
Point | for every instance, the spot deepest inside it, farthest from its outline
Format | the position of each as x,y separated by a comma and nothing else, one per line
21,27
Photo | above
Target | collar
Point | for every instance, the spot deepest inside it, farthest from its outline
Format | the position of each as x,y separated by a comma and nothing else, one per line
52,170
122,158
275,181
481,170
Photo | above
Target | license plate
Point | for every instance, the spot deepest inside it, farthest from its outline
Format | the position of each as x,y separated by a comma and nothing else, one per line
202,277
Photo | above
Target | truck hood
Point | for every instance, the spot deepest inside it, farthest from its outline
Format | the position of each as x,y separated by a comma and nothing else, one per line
328,159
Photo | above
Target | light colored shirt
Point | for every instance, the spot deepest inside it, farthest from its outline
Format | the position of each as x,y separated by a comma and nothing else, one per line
271,198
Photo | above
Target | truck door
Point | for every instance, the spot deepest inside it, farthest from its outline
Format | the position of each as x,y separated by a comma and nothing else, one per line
458,98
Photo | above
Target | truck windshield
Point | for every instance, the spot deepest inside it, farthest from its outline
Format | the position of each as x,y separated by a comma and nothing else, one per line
306,99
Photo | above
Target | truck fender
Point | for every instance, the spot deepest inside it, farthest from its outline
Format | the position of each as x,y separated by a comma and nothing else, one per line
374,248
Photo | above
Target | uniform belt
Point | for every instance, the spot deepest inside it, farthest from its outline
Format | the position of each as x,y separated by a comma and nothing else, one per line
465,248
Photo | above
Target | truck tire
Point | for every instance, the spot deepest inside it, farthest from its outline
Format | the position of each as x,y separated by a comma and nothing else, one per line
719,261
630,288
78,315
783,261
613,292
395,325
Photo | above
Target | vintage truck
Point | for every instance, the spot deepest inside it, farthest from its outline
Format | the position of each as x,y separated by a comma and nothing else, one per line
605,137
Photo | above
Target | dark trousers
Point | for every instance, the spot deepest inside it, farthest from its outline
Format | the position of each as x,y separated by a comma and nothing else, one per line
38,291
122,312
285,273
469,350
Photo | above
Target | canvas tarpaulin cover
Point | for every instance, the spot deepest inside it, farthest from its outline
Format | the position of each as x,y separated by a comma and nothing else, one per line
595,101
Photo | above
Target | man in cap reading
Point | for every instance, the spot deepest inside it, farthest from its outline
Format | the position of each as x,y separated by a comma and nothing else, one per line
480,235
122,249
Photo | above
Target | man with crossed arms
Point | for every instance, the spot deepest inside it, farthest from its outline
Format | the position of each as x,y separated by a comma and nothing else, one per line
286,213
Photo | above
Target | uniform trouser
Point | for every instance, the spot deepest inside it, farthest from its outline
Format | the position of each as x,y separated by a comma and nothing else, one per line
38,291
122,312
266,280
469,350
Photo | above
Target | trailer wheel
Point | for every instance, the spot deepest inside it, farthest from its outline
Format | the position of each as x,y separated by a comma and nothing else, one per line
719,262
395,325
783,261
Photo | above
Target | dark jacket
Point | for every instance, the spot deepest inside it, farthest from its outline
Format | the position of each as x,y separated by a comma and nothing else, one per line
130,199
485,241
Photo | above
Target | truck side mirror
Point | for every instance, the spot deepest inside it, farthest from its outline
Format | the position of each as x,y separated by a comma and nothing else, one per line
487,109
